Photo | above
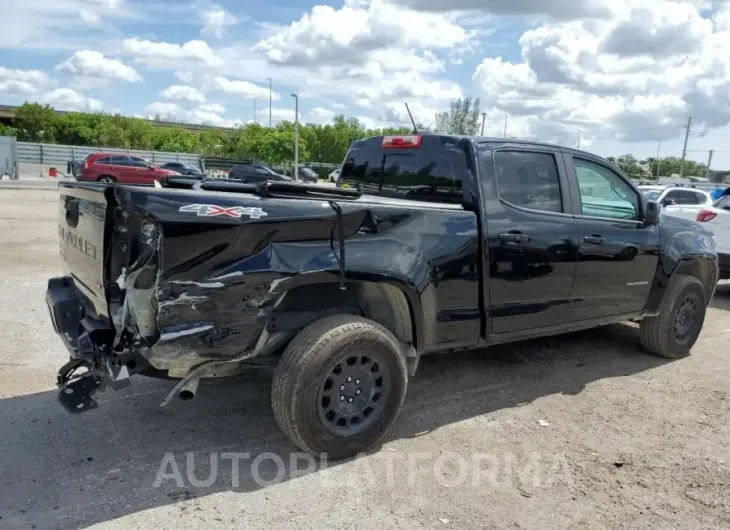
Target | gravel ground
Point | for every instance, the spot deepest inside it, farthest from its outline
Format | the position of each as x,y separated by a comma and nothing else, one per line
582,431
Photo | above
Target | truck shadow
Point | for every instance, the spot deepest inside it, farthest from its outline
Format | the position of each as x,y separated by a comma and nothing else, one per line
72,471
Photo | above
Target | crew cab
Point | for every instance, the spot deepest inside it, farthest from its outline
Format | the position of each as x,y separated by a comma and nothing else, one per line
113,168
429,243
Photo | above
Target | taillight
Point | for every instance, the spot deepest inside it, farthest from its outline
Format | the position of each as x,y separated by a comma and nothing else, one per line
400,142
705,215
86,165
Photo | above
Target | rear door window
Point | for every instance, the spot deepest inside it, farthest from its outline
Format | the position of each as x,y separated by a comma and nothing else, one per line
138,162
529,180
687,197
119,160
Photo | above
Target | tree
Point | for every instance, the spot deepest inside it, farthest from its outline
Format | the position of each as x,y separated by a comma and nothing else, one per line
463,117
35,122
630,166
7,130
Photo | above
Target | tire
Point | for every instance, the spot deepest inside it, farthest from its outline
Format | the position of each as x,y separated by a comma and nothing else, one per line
106,179
673,332
307,390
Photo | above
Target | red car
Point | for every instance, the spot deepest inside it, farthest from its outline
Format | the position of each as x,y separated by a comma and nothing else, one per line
113,167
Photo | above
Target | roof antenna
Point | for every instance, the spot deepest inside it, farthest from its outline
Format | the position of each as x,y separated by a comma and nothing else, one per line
415,129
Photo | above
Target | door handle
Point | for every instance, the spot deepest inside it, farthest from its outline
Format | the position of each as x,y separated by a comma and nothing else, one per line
595,239
514,237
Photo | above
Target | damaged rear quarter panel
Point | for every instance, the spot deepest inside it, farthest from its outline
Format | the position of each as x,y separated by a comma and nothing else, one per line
219,277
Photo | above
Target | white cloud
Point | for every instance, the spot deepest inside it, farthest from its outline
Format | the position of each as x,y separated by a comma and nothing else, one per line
244,89
89,15
217,108
162,109
183,92
23,82
184,76
348,35
93,64
69,99
210,114
57,24
635,76
217,20
168,55
320,115
560,9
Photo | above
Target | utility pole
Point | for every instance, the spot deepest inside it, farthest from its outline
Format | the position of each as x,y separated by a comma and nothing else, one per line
684,149
505,126
484,120
578,146
270,92
254,110
709,162
296,136
658,160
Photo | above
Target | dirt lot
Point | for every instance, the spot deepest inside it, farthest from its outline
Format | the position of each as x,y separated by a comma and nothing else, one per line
583,431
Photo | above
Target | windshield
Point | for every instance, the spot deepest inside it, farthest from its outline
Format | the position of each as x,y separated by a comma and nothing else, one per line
723,202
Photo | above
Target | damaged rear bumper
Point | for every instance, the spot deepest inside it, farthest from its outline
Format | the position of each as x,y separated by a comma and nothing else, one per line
88,339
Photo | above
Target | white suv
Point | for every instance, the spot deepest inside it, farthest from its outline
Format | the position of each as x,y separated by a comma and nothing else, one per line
715,215
676,199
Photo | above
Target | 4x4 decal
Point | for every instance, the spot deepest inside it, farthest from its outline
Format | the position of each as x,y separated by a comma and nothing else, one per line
212,210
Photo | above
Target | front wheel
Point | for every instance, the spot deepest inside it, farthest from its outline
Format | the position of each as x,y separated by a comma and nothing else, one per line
106,180
339,386
675,330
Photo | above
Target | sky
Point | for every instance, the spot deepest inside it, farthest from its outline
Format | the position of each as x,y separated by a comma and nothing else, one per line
610,76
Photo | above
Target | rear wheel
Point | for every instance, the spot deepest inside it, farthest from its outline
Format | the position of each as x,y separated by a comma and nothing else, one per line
106,179
675,330
339,386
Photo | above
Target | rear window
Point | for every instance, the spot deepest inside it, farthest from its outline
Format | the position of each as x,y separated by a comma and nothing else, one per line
432,172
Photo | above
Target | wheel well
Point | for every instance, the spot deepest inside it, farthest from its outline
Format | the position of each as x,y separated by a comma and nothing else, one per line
703,270
106,177
380,302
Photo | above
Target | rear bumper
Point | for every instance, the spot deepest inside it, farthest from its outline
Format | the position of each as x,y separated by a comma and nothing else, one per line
88,341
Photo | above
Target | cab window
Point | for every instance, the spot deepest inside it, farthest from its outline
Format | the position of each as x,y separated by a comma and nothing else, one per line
604,193
529,180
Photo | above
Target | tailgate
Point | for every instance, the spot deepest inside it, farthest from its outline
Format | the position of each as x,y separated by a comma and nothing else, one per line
81,227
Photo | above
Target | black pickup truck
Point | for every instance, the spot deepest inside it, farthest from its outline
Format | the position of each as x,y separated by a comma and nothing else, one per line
429,243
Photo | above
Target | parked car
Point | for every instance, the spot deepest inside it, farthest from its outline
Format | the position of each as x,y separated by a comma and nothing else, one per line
461,243
334,175
715,217
251,173
189,170
672,198
307,174
122,169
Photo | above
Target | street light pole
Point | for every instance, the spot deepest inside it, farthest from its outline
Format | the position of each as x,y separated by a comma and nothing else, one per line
484,119
270,92
296,136
254,111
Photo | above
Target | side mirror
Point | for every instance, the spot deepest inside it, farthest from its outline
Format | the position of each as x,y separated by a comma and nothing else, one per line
668,202
651,215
